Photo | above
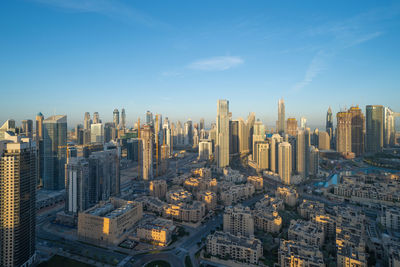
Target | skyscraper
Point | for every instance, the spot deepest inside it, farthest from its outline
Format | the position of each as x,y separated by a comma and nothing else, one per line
97,133
27,128
303,152
39,126
343,135
323,141
9,125
285,162
222,144
116,118
96,117
276,139
303,122
314,161
18,178
233,137
54,152
87,121
149,118
389,131
291,126
281,116
258,135
357,130
329,122
202,124
147,159
374,128
123,119
39,146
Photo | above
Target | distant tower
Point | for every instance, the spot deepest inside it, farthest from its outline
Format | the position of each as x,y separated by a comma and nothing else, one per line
303,122
276,139
18,176
285,162
54,152
303,151
291,126
343,136
27,128
147,158
149,118
357,131
123,119
39,126
222,134
87,121
281,116
329,122
389,130
374,128
96,117
202,124
116,118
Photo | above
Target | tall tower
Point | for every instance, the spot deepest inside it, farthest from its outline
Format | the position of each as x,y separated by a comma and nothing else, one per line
87,121
357,130
149,118
222,144
54,152
123,119
276,139
18,178
389,131
374,128
202,124
39,146
291,126
329,122
39,126
281,116
285,162
147,158
116,118
77,185
303,151
27,128
343,136
96,117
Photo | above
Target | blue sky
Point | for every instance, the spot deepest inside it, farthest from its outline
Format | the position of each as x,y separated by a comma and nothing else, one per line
178,57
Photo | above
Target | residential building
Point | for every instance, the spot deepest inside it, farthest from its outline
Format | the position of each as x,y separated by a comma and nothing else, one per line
238,221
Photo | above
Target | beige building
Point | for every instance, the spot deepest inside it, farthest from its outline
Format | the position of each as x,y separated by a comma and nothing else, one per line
324,141
291,126
109,222
202,172
179,195
152,204
288,195
268,201
238,221
390,217
309,207
267,220
307,232
326,222
147,152
343,134
298,254
186,212
243,249
236,193
349,256
285,162
158,232
158,188
256,181
209,198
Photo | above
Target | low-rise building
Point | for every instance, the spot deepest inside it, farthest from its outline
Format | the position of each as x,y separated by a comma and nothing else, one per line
108,222
309,207
390,217
307,232
266,201
238,220
234,176
158,231
179,195
267,220
236,193
228,246
296,253
158,188
289,195
256,181
202,172
349,256
209,198
186,212
326,222
152,204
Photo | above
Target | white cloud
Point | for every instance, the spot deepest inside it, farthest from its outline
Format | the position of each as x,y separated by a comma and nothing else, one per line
216,63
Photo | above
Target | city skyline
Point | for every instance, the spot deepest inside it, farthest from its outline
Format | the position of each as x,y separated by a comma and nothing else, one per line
250,55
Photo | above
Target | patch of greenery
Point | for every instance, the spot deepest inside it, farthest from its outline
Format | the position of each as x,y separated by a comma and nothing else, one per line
158,263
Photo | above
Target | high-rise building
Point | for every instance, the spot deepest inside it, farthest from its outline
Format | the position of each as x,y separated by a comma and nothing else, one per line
374,128
202,124
97,133
116,118
314,161
123,119
18,176
54,152
39,146
77,185
285,162
158,188
147,158
323,141
222,144
262,158
258,135
8,126
389,131
303,123
357,130
291,126
149,118
281,116
329,123
96,117
39,126
273,152
233,137
87,121
303,151
205,150
27,128
343,134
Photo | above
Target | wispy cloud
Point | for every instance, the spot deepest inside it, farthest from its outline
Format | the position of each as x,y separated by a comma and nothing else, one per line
216,63
110,8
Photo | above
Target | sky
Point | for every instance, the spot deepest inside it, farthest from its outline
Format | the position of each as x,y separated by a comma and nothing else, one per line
177,58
